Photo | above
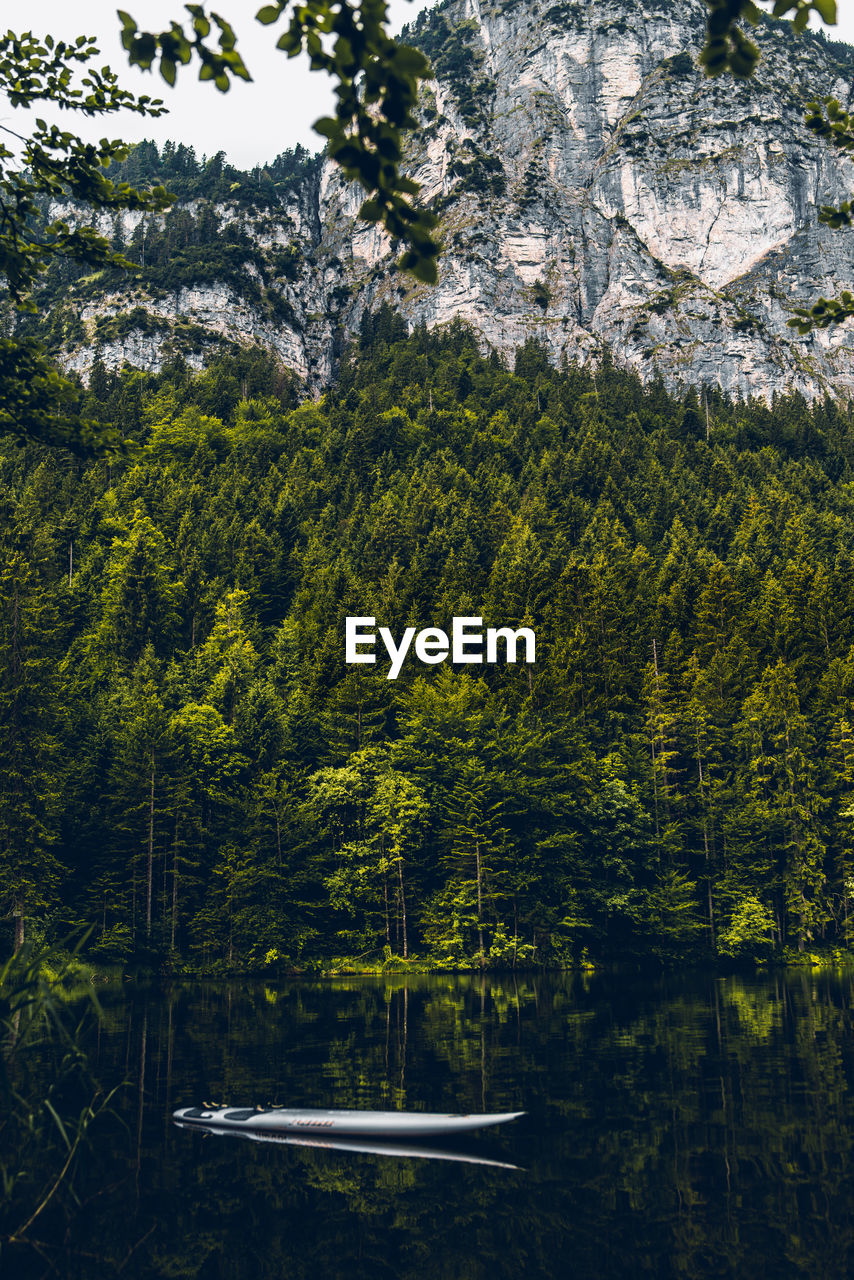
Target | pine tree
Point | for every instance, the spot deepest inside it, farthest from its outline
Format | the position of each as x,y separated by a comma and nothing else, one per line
474,820
29,720
141,597
780,750
662,726
227,661
399,812
141,748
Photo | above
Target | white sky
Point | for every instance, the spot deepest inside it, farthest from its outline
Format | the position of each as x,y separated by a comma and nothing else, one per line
251,123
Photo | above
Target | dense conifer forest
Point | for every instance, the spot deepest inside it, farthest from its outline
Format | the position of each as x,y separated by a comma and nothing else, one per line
190,767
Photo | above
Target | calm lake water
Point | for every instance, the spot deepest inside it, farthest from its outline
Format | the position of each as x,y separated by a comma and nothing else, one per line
676,1127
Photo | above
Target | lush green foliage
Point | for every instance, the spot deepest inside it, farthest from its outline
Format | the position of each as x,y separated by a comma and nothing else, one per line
53,165
48,1099
178,168
208,778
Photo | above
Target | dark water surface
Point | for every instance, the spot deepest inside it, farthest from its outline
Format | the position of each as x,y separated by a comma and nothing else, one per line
690,1126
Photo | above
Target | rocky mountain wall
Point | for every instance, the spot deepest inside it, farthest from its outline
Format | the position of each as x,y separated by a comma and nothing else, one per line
594,189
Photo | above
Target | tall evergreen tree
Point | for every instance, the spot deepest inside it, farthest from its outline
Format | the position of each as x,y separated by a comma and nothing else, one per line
30,711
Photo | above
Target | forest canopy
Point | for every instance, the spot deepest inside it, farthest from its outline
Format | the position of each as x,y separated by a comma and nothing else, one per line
190,765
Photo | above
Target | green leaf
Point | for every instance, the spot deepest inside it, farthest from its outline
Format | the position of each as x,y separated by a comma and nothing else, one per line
826,10
349,153
327,127
267,14
422,268
142,49
411,62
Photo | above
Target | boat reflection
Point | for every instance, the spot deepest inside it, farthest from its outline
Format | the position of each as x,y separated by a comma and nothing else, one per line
358,1145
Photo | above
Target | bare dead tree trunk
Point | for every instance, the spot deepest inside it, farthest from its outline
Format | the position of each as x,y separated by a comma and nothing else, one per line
479,902
711,904
19,926
402,907
387,920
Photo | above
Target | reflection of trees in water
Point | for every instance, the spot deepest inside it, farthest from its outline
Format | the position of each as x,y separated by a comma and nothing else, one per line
48,1104
682,1128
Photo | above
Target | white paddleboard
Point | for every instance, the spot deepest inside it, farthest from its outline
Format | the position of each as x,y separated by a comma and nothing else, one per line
376,1124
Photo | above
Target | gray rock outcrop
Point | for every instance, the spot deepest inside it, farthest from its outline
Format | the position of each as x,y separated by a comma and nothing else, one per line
594,189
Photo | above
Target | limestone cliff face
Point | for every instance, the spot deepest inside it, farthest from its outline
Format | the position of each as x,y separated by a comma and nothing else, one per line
594,189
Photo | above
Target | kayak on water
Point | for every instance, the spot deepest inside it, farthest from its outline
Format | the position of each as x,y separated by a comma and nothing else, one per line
377,1124
362,1146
